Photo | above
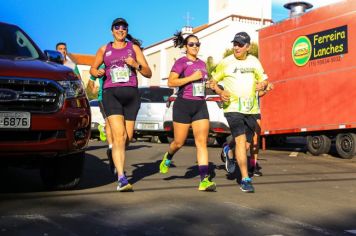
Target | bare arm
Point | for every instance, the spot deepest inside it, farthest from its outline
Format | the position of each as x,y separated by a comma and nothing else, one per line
99,59
225,95
140,60
175,81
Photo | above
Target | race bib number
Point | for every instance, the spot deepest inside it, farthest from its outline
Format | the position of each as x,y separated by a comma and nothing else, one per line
120,74
199,89
246,103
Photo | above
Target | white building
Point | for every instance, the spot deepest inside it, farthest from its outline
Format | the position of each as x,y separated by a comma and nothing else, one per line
226,18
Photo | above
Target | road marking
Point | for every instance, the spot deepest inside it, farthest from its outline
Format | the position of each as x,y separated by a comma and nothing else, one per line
353,231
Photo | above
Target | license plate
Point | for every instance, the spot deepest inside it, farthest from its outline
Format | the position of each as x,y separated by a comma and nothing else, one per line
149,126
15,120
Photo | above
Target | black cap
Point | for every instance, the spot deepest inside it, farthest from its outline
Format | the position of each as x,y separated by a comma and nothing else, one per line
119,21
242,37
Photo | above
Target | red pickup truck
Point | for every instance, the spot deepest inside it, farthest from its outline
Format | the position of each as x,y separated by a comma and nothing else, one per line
44,111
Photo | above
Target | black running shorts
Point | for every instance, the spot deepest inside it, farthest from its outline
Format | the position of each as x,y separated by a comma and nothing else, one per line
123,101
241,124
186,111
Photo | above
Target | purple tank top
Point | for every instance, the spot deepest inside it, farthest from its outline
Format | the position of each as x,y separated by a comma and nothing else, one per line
185,67
118,73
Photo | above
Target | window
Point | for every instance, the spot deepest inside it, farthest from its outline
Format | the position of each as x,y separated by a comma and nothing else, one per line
155,94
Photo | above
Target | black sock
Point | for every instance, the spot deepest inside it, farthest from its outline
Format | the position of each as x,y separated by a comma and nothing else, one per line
169,156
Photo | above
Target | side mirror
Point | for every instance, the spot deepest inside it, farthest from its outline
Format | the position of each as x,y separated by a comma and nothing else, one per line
54,56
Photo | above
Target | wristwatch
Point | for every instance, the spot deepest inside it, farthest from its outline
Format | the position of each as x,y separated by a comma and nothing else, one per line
139,68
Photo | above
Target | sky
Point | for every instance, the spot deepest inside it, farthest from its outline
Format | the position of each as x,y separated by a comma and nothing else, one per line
85,25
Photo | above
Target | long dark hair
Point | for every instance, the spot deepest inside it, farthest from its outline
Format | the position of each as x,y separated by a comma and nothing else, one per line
180,41
134,40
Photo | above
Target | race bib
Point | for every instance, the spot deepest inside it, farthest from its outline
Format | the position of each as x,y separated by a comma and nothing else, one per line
246,103
199,89
120,74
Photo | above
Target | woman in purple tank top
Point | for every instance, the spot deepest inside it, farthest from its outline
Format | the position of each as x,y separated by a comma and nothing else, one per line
123,58
189,109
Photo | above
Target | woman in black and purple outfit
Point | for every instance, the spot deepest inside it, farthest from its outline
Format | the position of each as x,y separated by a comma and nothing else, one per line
122,59
190,75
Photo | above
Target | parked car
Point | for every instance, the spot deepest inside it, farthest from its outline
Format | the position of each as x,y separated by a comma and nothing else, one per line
44,111
149,121
219,128
96,118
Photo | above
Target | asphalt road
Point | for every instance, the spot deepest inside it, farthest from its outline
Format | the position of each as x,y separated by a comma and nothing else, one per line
297,195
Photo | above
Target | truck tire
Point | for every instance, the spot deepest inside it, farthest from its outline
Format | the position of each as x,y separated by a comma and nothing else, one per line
346,145
62,173
318,144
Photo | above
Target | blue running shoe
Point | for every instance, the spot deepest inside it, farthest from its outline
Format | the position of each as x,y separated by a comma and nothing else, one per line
124,185
230,164
246,185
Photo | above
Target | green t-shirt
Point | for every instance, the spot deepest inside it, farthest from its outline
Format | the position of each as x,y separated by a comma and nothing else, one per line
101,83
240,78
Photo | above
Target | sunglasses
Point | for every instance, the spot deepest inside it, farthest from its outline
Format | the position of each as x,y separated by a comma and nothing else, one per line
238,44
191,44
118,27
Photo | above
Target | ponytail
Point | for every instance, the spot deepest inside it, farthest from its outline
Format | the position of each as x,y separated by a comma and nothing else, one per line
179,40
133,40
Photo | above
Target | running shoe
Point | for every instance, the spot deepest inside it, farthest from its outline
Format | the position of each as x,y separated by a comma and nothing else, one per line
230,164
254,171
246,185
165,164
101,129
111,162
207,185
124,186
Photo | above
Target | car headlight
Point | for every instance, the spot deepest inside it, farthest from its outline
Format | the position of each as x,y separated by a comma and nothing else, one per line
72,88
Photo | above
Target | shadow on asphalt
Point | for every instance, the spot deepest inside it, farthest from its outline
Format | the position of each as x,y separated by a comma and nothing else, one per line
143,170
193,171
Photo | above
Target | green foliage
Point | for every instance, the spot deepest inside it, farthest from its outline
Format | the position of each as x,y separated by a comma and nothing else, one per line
253,50
229,51
210,66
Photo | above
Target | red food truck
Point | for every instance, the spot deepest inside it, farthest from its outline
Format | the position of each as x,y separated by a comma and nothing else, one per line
311,60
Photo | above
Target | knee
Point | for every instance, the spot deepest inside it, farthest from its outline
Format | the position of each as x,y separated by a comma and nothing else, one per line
201,142
178,144
119,138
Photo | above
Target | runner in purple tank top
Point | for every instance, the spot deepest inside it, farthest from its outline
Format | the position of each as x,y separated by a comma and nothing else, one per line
122,59
189,74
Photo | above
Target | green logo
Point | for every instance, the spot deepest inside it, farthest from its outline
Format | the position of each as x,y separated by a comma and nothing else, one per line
301,51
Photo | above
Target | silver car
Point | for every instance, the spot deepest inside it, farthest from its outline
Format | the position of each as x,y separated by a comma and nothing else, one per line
149,121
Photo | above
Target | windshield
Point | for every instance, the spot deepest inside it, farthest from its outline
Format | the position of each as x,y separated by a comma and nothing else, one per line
14,44
155,94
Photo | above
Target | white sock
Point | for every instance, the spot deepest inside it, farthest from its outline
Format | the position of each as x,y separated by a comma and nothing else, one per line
110,146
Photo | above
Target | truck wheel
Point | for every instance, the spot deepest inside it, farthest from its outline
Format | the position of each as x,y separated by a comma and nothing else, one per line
318,144
62,173
346,145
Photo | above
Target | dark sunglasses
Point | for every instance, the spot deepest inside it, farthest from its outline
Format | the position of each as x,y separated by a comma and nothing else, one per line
240,45
118,27
191,44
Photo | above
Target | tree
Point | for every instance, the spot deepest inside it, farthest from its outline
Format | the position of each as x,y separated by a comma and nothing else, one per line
229,51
